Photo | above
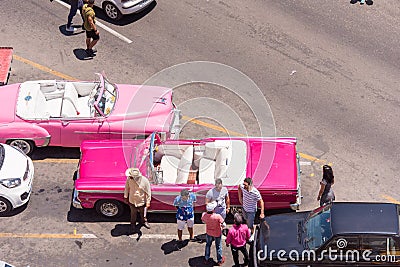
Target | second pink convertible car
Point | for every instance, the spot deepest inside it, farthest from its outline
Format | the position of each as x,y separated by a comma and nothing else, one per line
64,113
172,165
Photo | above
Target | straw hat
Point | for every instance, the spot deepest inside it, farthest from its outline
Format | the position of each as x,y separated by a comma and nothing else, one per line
133,172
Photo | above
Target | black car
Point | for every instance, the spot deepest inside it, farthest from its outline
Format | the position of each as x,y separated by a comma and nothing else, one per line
338,234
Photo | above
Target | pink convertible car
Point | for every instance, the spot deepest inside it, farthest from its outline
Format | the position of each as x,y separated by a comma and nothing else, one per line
172,165
64,113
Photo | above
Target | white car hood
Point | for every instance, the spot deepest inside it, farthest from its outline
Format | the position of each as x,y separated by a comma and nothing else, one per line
14,164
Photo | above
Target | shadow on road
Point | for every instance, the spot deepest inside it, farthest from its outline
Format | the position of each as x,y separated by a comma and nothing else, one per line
126,19
55,152
173,245
199,261
78,30
15,211
81,54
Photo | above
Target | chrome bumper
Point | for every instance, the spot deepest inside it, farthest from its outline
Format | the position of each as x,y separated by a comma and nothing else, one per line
76,203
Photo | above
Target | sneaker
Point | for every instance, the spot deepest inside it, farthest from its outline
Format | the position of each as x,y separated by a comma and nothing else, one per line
89,52
147,225
70,29
251,239
222,261
94,50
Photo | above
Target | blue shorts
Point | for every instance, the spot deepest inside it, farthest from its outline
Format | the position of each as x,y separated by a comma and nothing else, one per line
249,217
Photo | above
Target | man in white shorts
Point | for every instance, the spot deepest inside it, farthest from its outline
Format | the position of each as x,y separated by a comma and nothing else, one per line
184,204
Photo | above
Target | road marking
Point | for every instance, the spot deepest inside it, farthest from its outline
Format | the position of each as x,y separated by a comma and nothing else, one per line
65,236
43,68
186,118
391,199
311,158
101,25
57,160
303,163
159,236
211,126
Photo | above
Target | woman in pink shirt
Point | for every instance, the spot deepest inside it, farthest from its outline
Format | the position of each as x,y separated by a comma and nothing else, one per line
237,237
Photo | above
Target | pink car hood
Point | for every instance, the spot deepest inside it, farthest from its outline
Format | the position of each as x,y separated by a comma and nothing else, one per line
143,105
8,93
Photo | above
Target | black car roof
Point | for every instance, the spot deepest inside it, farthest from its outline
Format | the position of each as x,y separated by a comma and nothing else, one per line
364,218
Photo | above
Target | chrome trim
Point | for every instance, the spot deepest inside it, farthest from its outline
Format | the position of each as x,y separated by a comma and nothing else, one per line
76,203
46,142
102,191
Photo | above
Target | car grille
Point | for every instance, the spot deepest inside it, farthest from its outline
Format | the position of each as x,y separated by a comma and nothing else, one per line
26,174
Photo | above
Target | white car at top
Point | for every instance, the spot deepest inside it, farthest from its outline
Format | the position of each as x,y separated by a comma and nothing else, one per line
115,9
16,177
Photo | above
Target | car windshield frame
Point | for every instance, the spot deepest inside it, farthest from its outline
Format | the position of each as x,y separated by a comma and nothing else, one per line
318,228
2,155
106,96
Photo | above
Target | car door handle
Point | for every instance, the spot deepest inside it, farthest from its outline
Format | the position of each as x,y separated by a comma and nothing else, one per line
65,123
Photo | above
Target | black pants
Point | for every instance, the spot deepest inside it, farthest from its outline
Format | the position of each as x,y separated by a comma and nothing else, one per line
235,254
134,211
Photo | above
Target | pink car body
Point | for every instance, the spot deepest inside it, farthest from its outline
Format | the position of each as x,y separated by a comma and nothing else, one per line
172,165
64,113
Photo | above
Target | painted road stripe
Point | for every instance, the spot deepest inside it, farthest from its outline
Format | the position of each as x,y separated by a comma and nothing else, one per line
60,236
211,126
101,25
159,236
43,68
391,199
57,160
304,163
192,120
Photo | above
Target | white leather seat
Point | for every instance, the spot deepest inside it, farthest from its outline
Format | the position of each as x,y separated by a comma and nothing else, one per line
70,102
169,166
184,166
207,164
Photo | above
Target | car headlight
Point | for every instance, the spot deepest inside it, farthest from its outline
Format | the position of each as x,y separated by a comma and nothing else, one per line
10,182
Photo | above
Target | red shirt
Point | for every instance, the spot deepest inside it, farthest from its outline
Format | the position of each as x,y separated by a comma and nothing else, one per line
238,235
213,223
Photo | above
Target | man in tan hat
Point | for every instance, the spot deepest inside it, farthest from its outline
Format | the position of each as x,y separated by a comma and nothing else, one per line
138,195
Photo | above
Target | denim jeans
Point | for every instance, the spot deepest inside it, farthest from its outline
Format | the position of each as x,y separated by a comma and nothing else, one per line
249,217
218,246
72,12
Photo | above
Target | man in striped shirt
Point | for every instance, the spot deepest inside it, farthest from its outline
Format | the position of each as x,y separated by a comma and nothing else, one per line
249,196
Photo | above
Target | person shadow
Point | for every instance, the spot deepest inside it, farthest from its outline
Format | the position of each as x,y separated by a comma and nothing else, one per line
125,229
199,261
81,54
174,245
367,2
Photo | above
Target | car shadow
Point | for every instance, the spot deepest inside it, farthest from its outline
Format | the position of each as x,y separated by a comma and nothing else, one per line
126,19
54,152
15,211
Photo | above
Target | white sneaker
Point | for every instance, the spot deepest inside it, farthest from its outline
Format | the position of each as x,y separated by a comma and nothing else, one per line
251,239
70,29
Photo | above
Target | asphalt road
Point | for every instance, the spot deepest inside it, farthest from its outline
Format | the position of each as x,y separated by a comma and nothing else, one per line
329,71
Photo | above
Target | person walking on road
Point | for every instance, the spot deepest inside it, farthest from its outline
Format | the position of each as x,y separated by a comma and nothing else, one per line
237,237
137,195
220,195
75,5
92,34
249,196
213,223
185,212
326,194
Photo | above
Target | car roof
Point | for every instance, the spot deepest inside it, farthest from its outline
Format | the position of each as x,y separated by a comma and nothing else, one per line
364,218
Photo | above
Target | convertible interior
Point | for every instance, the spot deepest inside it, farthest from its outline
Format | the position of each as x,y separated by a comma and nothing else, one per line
54,99
202,163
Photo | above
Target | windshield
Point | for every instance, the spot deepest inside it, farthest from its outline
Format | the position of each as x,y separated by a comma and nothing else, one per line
318,228
105,98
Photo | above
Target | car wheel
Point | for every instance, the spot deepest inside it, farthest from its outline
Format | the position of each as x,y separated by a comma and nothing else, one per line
112,11
25,146
5,206
109,208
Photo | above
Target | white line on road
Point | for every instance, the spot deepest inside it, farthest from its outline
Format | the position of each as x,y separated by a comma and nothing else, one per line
302,163
101,25
160,236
